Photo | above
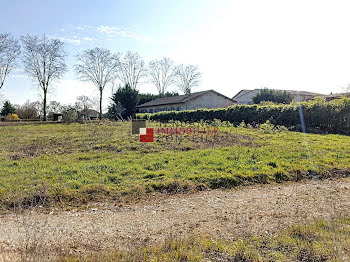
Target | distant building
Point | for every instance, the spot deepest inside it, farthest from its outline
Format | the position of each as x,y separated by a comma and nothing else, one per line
245,97
88,114
57,116
203,99
336,96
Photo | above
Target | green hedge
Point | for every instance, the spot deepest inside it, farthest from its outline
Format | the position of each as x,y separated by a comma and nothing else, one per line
319,115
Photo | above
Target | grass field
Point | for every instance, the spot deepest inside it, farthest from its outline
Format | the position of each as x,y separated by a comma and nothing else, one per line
318,241
60,163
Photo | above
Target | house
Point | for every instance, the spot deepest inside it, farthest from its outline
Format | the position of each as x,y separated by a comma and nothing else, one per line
88,114
336,96
245,97
203,99
57,116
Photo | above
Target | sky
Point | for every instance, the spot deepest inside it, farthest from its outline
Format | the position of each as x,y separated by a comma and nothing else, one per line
279,44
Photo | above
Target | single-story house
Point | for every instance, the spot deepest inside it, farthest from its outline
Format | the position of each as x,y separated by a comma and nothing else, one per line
203,99
245,97
336,96
88,114
57,116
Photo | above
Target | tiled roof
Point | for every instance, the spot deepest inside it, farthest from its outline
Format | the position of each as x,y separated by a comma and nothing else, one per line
293,92
177,99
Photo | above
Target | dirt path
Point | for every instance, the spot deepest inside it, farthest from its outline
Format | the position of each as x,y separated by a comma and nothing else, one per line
223,214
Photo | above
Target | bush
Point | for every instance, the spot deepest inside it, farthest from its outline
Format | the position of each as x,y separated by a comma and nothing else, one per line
318,115
69,115
276,96
27,111
12,117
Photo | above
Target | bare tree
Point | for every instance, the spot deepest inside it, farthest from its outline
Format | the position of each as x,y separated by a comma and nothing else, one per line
27,111
39,107
2,99
346,89
9,51
95,102
44,61
84,102
161,73
55,106
131,69
187,77
98,66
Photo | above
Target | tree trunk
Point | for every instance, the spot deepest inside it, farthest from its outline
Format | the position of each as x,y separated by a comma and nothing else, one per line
44,105
101,104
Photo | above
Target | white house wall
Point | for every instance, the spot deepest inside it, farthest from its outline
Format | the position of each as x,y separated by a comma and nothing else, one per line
247,99
209,100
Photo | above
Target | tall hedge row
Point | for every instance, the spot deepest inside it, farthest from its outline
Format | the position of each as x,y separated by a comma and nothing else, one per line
318,115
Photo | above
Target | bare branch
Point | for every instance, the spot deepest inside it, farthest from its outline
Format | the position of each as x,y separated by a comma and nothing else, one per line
98,66
9,51
187,77
131,69
161,73
44,61
84,102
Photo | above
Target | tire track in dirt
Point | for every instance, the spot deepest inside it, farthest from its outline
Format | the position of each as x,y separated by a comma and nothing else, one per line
260,209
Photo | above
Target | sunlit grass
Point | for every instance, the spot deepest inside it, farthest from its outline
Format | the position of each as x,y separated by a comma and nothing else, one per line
43,164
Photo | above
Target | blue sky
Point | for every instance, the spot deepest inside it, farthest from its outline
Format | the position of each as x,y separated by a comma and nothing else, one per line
301,45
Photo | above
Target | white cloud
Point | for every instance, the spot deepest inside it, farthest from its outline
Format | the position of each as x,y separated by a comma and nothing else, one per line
19,76
109,30
18,73
82,34
87,39
76,40
113,31
70,40
80,28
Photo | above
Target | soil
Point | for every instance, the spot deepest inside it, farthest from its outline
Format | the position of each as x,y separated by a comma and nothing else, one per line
225,214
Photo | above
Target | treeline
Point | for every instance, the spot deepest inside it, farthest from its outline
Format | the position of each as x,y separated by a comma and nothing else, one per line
34,110
43,59
123,105
316,116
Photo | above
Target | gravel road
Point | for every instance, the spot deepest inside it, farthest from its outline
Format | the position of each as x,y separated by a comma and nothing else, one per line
227,214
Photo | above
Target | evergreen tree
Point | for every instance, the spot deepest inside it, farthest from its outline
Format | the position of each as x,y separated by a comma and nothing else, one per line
144,98
7,109
277,96
124,102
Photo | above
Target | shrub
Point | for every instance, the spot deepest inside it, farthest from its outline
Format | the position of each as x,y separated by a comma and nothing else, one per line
272,95
27,111
318,115
70,114
12,117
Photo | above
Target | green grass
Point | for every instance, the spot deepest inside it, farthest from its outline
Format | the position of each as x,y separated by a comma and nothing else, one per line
319,241
42,164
